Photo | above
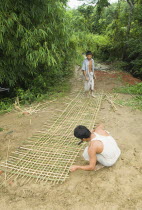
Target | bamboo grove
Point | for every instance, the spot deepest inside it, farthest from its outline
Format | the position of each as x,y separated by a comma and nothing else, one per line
36,51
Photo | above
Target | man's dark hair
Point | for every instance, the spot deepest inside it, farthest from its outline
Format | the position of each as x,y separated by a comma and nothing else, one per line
89,53
81,132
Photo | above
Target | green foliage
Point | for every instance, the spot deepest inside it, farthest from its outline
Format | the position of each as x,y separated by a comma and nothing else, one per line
36,50
86,12
132,89
27,97
79,59
6,105
121,23
83,40
98,44
134,59
125,32
135,101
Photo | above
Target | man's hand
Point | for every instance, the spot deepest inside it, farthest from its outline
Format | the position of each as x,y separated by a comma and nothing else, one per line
95,76
73,168
86,78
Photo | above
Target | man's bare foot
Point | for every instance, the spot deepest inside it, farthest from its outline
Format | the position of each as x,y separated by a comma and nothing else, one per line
98,166
93,95
86,94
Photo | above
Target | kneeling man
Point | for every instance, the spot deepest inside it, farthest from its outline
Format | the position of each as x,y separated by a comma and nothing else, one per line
102,147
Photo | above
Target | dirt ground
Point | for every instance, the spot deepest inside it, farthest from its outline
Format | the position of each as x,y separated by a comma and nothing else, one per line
113,188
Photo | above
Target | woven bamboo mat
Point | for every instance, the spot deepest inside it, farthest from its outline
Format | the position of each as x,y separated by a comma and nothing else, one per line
48,155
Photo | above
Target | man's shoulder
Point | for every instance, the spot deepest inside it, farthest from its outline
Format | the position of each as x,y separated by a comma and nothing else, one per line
85,60
93,146
94,143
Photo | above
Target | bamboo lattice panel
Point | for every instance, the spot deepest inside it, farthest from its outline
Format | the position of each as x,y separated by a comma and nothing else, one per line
49,154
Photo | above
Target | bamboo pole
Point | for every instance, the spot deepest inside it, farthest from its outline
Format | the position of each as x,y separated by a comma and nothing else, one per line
111,102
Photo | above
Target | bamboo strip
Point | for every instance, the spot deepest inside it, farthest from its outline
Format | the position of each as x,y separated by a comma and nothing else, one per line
30,155
31,170
34,176
49,152
37,163
111,102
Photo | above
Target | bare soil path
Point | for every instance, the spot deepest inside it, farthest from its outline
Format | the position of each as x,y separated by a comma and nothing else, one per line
114,188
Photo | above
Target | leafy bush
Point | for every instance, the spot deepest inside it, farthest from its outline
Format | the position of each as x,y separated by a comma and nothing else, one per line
6,105
36,49
133,58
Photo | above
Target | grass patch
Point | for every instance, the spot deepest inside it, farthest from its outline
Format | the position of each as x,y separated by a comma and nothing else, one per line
6,105
135,91
131,89
135,102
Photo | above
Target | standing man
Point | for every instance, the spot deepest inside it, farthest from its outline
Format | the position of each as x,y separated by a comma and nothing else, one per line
89,73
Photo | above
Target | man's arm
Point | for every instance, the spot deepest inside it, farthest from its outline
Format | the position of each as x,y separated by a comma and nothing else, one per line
100,126
94,70
84,70
84,73
100,129
95,75
92,162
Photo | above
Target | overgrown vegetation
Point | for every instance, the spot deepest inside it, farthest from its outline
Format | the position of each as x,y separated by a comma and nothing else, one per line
131,89
36,49
27,97
136,92
118,32
37,52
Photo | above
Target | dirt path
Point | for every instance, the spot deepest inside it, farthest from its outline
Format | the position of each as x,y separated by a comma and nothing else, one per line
118,187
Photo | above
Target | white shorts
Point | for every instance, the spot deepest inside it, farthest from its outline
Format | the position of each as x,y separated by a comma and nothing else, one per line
111,151
89,85
101,159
